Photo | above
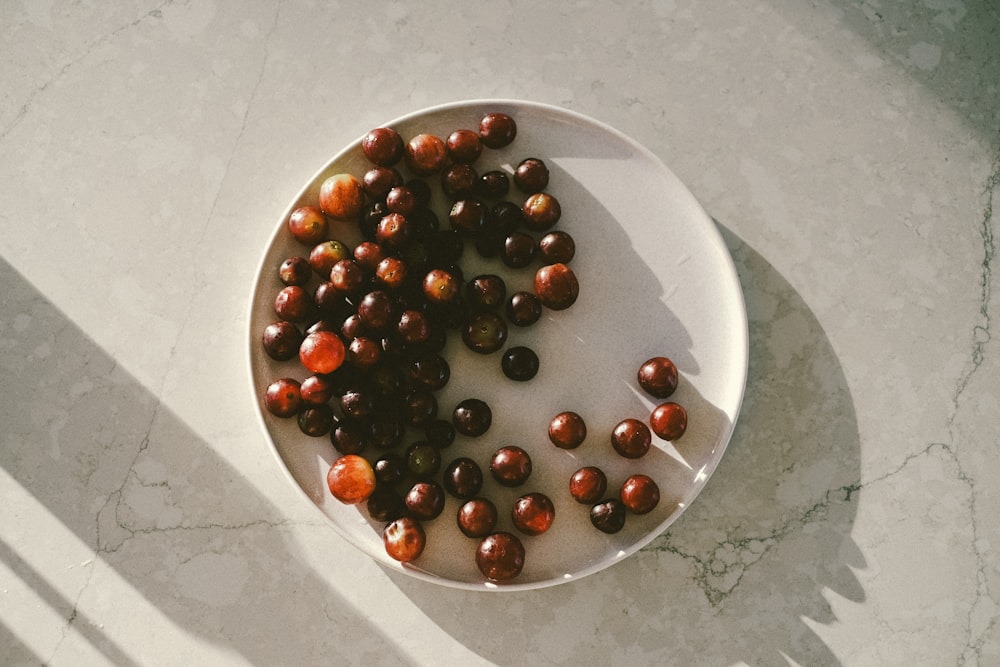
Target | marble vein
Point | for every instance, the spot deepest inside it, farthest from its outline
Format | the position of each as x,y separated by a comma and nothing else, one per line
981,336
23,110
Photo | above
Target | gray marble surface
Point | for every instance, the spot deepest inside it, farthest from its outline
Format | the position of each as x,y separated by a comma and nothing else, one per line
849,153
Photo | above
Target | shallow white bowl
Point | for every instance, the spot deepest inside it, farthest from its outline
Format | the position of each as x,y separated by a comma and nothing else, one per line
656,279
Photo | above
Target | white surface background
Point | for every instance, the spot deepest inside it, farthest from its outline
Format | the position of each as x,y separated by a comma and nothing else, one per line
848,152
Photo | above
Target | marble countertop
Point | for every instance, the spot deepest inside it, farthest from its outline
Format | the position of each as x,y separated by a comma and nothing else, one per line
849,153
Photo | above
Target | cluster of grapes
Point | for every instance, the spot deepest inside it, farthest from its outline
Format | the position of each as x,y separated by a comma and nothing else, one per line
370,323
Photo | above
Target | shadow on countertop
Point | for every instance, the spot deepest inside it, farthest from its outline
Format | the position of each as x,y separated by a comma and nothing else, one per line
758,551
155,506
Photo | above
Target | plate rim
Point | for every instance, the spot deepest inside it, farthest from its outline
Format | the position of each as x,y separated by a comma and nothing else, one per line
710,226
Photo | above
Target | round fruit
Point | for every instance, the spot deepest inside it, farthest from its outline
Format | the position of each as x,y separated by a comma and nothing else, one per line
510,466
533,513
281,340
477,517
608,516
500,556
440,286
341,197
631,438
283,397
485,332
404,539
523,309
308,225
463,146
556,286
520,363
351,479
425,154
472,417
324,255
322,352
658,377
463,478
295,271
425,500
316,420
423,459
557,247
640,494
588,484
541,211
497,130
385,504
567,430
669,421
531,175
383,146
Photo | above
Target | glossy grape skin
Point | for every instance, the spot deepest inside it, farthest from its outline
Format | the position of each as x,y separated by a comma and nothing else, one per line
500,556
463,478
389,468
556,286
324,255
608,516
281,340
557,247
308,225
350,437
463,146
640,494
631,438
668,421
520,363
401,199
283,397
378,181
588,484
485,332
658,377
518,250
430,371
440,286
531,175
293,303
385,504
477,517
404,539
316,390
510,466
393,231
541,211
383,146
341,197
533,513
315,420
523,309
493,184
459,181
425,500
423,459
486,291
420,407
468,216
391,272
351,479
363,352
295,271
425,154
497,130
567,430
347,277
472,417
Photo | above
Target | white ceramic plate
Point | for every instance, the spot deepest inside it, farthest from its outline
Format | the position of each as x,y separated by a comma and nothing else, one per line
656,279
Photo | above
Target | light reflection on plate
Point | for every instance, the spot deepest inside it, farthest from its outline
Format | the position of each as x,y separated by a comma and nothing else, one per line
656,279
